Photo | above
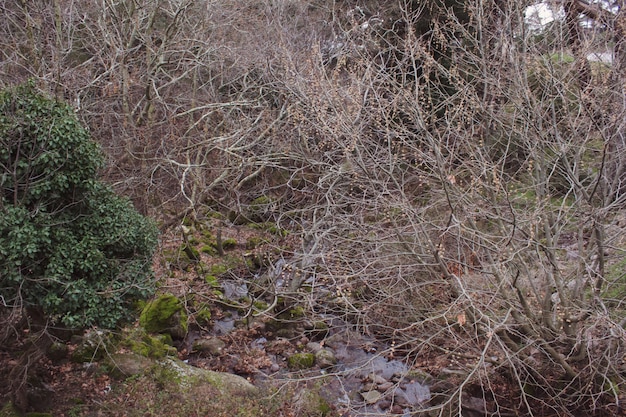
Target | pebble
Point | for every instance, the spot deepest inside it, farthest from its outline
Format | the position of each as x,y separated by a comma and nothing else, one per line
385,386
371,397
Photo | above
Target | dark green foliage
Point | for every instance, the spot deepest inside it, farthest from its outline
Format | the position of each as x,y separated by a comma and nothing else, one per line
69,246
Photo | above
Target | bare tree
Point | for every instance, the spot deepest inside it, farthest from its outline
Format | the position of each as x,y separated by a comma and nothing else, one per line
457,178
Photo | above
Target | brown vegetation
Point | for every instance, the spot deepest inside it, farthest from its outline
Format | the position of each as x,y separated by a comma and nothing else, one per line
455,180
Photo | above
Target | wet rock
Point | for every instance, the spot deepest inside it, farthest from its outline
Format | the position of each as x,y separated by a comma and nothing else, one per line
310,403
369,386
414,393
473,406
384,404
225,326
274,367
401,400
325,358
314,347
371,397
376,379
212,345
385,386
259,343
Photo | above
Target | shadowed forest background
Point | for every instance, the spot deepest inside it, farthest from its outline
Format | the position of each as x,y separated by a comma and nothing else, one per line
452,178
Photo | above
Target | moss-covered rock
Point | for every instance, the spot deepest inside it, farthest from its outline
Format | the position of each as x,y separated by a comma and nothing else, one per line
209,250
149,346
165,314
178,259
253,242
57,351
229,243
124,365
191,252
270,227
308,402
299,361
218,269
237,218
317,330
212,280
259,209
92,346
203,314
325,358
187,377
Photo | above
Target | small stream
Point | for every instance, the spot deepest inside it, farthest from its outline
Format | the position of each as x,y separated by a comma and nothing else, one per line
369,383
363,379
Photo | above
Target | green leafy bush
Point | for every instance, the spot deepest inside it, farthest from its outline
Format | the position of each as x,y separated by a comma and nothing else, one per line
69,246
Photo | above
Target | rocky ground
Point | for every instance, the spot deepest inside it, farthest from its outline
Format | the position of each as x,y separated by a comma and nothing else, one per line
214,343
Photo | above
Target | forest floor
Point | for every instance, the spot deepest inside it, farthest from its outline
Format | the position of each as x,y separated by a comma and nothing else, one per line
251,347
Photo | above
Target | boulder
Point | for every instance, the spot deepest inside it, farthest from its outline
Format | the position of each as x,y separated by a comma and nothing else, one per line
325,358
299,361
124,365
165,314
188,377
92,346
212,345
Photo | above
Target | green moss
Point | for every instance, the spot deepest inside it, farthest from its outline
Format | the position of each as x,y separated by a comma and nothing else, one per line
296,312
178,259
9,411
254,242
270,227
165,376
311,403
229,243
215,215
218,269
261,201
612,386
156,347
212,281
237,218
616,282
162,314
258,209
260,305
299,361
203,316
202,268
208,249
191,252
318,331
562,58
